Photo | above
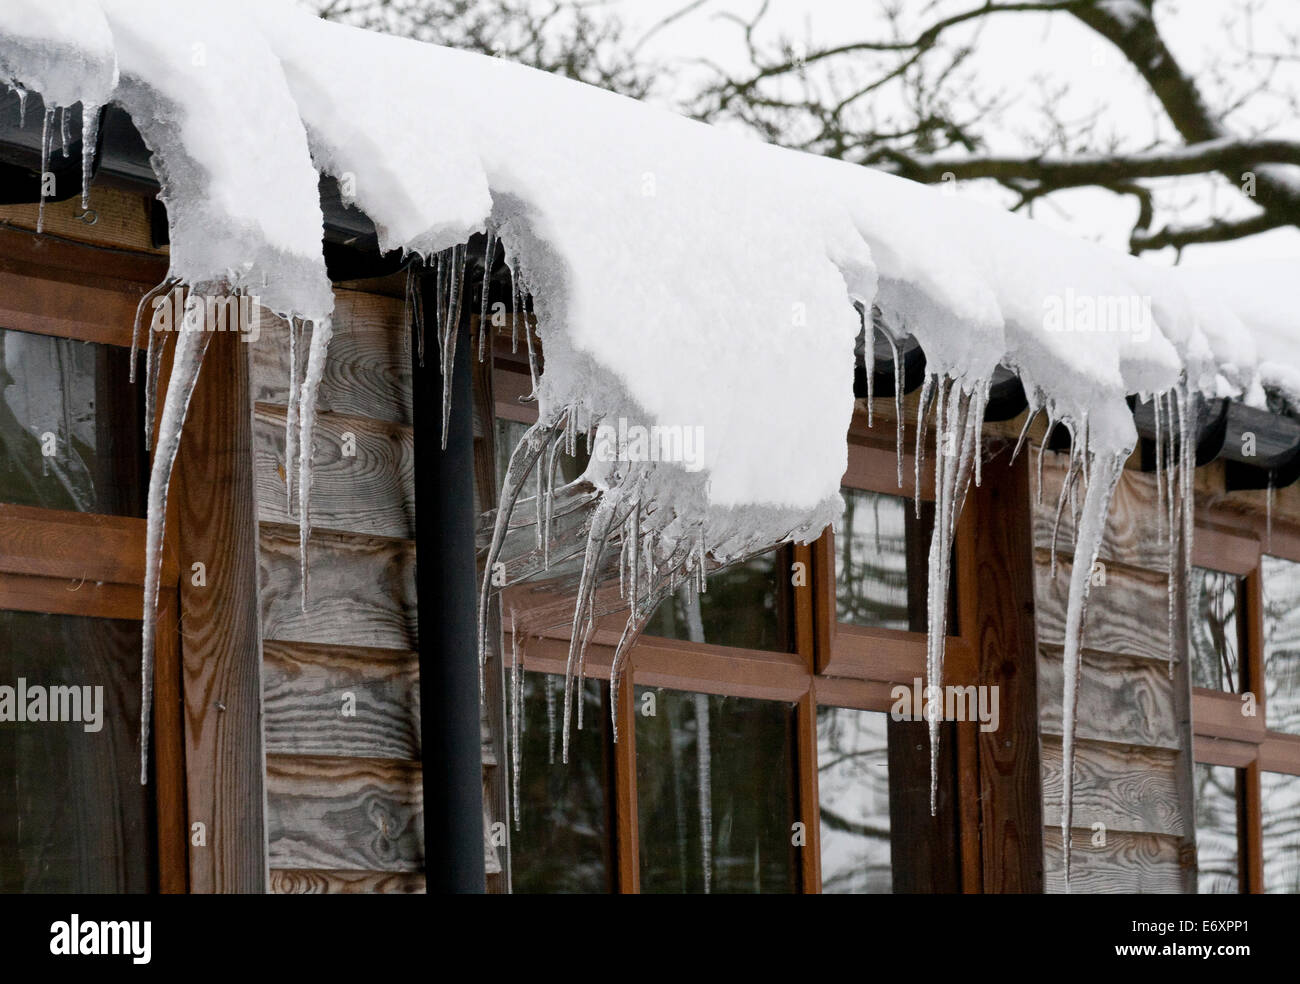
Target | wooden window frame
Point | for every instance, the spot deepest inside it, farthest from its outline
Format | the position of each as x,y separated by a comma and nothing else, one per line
1235,543
832,665
62,562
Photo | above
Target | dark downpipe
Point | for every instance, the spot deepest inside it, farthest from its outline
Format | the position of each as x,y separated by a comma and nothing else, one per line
447,584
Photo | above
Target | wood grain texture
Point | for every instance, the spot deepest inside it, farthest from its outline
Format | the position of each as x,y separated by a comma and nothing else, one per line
1126,787
121,219
304,687
361,592
1127,864
1131,529
54,543
995,568
1127,615
212,509
288,881
1121,700
352,814
368,372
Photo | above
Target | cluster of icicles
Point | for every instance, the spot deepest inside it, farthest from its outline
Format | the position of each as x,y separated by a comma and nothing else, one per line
57,120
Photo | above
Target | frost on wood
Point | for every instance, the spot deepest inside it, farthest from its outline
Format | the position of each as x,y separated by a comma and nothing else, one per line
678,277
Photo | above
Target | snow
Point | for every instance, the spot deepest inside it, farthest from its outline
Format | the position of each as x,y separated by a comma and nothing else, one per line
680,277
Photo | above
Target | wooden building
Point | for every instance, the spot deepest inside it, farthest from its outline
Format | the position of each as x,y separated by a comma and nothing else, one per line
756,748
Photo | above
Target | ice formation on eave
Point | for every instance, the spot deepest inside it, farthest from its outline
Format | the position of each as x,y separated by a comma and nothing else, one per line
680,276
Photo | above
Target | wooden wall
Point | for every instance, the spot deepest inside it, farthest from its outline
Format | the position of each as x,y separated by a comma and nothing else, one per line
343,791
1132,768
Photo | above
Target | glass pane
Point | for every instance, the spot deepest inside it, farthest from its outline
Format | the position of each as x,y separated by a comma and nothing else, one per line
1216,636
1281,821
73,815
70,435
564,840
881,562
1281,644
745,605
853,781
715,793
1216,829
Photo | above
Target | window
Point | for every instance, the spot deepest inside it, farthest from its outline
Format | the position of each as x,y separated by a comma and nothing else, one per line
755,749
1245,663
73,814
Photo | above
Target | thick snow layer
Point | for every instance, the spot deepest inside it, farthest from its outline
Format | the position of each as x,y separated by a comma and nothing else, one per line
62,50
210,100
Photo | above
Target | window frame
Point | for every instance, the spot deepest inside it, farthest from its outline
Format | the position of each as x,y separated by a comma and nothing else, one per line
1235,543
63,562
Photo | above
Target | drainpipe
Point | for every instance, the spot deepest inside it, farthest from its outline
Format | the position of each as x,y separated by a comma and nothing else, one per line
450,737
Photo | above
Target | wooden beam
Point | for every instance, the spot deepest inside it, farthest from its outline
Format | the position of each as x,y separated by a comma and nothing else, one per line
1000,580
214,513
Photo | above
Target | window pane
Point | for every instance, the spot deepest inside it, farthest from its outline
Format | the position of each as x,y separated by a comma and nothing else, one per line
70,433
745,605
1216,637
853,781
565,834
73,815
1216,829
1281,644
715,793
881,562
1281,821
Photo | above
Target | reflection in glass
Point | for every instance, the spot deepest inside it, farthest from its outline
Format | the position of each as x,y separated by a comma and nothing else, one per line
1280,800
1216,637
70,435
881,558
853,781
73,815
565,832
745,606
1216,829
715,793
1281,644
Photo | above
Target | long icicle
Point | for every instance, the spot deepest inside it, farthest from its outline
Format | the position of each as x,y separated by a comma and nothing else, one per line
1096,505
46,147
451,332
485,296
922,408
291,415
869,361
321,333
601,521
898,404
89,138
186,362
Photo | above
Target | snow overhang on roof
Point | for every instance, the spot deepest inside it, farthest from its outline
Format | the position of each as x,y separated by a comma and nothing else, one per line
681,276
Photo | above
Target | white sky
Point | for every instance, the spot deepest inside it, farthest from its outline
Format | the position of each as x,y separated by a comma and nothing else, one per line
1013,51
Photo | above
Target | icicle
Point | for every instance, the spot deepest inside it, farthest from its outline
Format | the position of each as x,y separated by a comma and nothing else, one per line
22,106
451,332
601,521
514,306
484,318
1157,402
532,355
869,361
1066,484
89,138
321,332
46,138
550,718
188,358
549,464
1187,421
703,766
1268,509
1092,524
1042,446
64,137
516,716
291,416
922,408
898,404
146,302
1024,432
522,460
